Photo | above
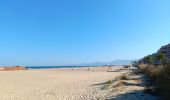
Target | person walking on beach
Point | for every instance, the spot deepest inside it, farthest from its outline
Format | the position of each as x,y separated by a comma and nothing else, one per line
88,69
109,68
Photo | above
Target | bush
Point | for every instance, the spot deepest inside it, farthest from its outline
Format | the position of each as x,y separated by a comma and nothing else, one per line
126,66
152,71
164,78
106,85
160,75
109,82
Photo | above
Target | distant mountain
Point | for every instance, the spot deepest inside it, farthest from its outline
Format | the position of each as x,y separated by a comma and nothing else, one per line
116,62
121,62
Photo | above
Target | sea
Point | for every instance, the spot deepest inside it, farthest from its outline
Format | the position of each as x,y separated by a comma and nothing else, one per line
50,67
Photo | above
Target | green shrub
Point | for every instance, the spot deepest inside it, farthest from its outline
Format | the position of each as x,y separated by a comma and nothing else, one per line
109,82
126,66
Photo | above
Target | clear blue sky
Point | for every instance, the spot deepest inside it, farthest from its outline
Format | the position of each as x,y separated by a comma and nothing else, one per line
61,32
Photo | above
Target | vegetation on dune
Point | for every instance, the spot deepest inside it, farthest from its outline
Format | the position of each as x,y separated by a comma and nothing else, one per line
148,59
109,82
123,77
159,75
164,78
155,59
161,58
119,83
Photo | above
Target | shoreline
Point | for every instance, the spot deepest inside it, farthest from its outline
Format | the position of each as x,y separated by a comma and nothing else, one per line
15,68
56,67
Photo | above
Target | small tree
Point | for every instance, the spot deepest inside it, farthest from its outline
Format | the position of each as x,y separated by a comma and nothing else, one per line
161,58
148,59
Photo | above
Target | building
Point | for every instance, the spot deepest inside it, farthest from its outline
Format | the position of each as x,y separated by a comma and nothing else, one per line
12,68
165,50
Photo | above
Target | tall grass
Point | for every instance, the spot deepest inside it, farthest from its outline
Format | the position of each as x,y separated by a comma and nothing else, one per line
164,78
159,75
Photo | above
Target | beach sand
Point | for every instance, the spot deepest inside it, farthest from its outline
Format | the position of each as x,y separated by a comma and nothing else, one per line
56,84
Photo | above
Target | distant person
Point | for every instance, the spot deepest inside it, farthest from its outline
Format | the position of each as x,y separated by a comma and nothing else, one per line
109,68
88,69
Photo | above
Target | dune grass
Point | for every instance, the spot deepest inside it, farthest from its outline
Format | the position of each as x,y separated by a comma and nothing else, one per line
123,77
159,75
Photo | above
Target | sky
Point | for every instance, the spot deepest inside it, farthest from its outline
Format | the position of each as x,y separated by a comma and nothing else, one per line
63,32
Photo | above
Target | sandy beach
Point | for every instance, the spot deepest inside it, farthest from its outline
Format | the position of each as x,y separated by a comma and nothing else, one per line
58,84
